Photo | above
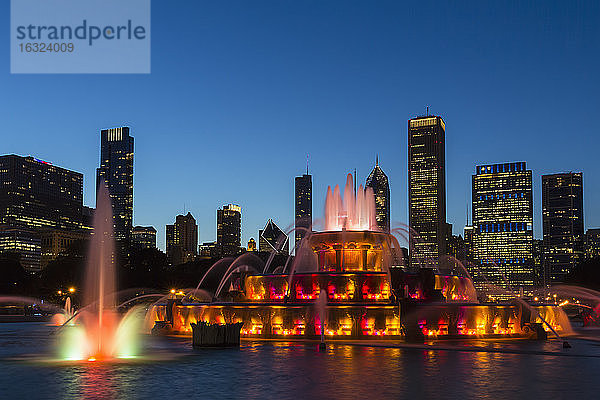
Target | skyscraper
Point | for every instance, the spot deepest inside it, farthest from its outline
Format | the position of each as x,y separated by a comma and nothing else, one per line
39,195
25,242
592,243
144,237
378,181
229,230
562,217
182,239
116,171
303,205
272,238
427,188
503,226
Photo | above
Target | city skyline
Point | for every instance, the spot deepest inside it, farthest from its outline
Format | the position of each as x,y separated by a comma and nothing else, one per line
539,97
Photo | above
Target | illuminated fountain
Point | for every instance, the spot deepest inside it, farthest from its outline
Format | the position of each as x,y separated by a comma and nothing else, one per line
97,331
351,263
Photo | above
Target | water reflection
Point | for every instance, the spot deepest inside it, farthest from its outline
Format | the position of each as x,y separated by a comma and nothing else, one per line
299,370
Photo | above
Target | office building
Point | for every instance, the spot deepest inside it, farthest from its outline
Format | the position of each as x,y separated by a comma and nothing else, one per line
562,218
22,241
378,181
427,189
116,171
272,239
37,195
592,243
144,237
182,239
303,205
229,230
503,228
208,249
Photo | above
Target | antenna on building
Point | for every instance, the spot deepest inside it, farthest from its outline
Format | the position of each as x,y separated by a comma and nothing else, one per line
306,163
376,159
427,114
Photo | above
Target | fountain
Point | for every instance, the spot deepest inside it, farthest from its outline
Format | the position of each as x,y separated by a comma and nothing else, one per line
97,332
346,283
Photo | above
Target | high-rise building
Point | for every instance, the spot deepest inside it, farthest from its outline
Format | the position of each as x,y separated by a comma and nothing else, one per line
229,230
378,181
37,194
562,217
503,227
455,249
468,241
182,239
427,188
251,244
144,237
303,205
273,239
592,243
538,262
116,171
25,242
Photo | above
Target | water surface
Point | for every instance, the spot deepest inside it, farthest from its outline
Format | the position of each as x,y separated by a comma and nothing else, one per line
298,370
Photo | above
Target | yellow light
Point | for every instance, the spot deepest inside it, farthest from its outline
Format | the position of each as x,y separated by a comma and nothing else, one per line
72,289
172,291
59,292
535,299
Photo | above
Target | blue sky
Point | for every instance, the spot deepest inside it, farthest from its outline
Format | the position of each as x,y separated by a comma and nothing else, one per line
241,91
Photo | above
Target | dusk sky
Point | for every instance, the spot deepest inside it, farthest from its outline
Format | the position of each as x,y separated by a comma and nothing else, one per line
240,92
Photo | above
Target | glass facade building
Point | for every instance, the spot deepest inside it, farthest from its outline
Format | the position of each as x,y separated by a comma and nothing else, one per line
229,230
39,195
562,218
378,181
116,171
272,239
503,228
25,242
303,205
427,190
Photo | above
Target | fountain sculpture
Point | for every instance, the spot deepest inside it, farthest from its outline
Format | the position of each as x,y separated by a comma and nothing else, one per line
351,265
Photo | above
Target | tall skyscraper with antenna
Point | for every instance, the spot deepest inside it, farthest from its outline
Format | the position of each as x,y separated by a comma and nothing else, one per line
303,204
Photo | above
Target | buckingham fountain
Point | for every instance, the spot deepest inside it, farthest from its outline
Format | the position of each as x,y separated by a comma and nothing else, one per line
346,283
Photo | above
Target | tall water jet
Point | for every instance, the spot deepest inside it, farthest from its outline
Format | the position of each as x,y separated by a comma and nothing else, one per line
99,286
354,212
99,333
